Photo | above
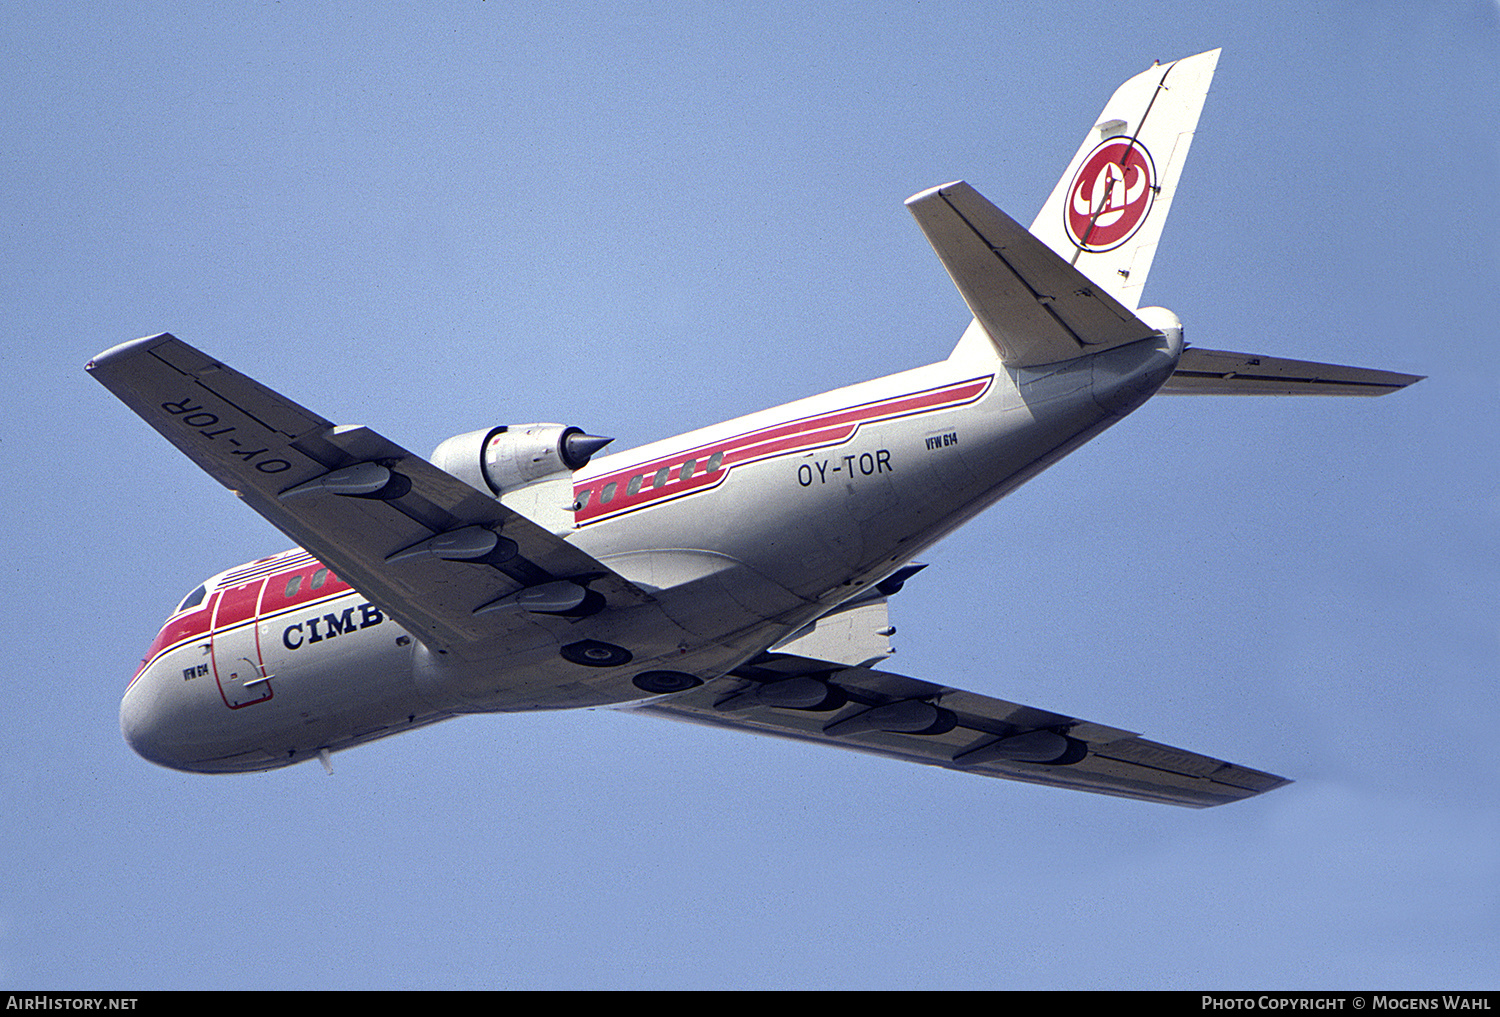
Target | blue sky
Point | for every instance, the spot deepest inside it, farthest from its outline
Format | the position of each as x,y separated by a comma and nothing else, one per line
645,218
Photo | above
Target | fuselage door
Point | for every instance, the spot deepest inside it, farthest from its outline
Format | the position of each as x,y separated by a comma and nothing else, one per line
238,665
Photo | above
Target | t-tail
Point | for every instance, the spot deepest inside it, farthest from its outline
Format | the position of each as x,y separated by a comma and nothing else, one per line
1071,285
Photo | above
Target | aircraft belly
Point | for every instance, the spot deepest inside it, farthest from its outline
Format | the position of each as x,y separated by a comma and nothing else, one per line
710,595
544,675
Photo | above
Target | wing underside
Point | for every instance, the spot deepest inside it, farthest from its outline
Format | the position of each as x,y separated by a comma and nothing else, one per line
892,715
385,520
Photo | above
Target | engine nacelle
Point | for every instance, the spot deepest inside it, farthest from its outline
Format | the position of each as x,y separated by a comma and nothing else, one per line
503,459
529,467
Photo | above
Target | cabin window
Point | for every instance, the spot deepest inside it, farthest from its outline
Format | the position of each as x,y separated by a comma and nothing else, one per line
319,578
688,468
583,500
714,462
292,586
608,494
634,487
660,480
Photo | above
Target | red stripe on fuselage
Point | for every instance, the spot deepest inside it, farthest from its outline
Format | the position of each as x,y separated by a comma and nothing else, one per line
198,624
817,431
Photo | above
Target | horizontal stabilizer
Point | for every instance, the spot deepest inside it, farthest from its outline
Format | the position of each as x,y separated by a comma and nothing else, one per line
1218,372
1036,308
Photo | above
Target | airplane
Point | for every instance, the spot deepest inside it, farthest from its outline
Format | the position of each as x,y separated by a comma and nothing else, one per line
737,575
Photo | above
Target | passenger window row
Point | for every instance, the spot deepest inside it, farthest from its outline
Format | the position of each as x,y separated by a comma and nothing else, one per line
293,586
656,480
295,583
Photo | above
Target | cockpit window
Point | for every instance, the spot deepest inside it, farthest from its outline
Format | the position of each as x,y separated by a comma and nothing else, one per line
193,599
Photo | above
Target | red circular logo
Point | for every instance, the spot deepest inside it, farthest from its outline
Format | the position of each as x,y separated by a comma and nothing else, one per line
1110,196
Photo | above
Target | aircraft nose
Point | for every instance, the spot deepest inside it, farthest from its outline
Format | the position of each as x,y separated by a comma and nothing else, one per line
146,724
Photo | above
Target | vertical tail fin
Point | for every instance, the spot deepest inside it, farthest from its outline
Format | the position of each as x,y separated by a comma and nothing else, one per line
1106,214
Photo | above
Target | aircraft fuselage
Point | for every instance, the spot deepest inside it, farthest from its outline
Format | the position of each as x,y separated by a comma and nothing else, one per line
742,532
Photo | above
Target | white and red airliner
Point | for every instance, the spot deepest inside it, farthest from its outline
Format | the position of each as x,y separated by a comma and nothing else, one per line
736,575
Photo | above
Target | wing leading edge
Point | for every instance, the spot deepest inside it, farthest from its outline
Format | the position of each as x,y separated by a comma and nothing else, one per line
426,547
905,718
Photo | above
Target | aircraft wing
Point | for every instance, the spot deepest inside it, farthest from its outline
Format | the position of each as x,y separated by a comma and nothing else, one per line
359,499
1219,372
905,718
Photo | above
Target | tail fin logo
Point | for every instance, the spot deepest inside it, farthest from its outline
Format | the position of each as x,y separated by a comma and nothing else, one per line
1111,195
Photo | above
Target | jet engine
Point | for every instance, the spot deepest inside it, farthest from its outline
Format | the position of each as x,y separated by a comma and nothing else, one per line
502,459
529,467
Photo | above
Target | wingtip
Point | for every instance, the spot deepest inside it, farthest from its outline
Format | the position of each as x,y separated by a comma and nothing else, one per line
1400,382
124,350
921,195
